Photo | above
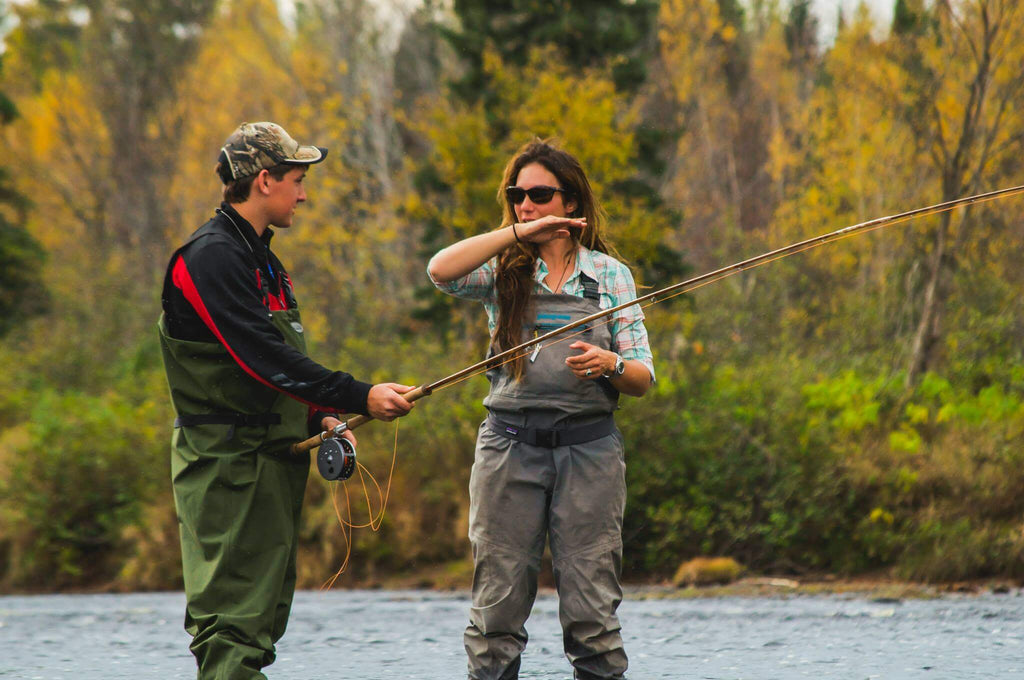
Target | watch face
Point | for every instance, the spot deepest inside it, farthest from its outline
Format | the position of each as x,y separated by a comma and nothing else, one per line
620,366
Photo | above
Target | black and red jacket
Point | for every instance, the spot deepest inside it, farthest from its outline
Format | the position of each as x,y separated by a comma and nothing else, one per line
221,286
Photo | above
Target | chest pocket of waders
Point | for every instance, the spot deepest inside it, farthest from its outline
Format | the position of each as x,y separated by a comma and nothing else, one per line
547,381
223,410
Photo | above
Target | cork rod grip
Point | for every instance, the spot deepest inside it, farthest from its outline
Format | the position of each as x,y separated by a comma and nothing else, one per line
411,395
353,422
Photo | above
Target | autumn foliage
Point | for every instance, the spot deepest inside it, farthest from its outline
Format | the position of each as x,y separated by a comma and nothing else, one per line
857,408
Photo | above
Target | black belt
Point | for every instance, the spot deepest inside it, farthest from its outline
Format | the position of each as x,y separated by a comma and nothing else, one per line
549,439
191,420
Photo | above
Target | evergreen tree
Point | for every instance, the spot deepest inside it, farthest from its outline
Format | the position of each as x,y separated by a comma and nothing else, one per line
22,292
587,33
907,17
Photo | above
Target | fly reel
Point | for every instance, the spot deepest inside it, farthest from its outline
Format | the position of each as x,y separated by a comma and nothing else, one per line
336,459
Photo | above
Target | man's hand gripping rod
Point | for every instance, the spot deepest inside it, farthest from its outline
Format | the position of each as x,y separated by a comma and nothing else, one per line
336,458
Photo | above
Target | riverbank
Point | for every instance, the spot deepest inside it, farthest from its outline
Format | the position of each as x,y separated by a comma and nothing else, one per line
457,576
876,590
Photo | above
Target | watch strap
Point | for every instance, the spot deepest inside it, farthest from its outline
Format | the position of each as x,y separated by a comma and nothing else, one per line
619,368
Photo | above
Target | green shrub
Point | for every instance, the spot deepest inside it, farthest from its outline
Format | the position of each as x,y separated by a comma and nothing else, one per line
74,484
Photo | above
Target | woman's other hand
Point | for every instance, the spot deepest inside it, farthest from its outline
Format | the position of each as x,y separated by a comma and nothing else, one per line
593,363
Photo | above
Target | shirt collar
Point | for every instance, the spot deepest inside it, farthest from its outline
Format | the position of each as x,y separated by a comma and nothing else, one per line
585,263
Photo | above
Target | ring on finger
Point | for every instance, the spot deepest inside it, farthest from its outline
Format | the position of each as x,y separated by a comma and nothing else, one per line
587,372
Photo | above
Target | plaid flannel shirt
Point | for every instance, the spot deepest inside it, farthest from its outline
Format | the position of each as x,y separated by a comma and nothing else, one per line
615,284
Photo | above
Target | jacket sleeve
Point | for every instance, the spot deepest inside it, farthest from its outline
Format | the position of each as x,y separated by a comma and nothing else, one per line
221,287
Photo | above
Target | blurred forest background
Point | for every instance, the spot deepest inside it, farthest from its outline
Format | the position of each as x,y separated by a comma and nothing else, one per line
857,409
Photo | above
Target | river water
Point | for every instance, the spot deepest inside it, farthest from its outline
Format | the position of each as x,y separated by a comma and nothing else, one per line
414,634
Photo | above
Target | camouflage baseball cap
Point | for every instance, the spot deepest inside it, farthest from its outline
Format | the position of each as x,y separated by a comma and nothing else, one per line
255,146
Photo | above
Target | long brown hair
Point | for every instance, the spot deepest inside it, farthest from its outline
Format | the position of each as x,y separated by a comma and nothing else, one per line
516,264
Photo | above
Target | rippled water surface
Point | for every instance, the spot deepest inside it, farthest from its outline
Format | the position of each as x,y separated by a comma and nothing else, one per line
388,634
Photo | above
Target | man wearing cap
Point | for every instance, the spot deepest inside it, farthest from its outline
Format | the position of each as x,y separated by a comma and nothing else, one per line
243,390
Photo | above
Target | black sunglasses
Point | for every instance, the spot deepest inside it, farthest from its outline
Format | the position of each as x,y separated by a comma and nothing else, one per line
538,194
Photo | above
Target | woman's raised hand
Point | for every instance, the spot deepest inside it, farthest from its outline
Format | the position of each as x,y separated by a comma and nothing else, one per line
548,228
462,257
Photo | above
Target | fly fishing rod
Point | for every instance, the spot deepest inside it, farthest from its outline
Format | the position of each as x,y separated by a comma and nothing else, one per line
336,459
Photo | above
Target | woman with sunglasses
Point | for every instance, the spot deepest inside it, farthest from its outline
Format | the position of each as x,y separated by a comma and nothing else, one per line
549,461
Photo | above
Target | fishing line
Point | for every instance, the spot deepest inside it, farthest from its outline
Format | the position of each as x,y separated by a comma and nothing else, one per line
374,523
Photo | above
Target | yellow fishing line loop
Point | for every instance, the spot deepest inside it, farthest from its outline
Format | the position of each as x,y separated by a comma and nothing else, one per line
375,522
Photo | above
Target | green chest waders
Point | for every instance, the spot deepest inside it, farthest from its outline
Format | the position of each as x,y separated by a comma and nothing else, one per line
238,496
548,466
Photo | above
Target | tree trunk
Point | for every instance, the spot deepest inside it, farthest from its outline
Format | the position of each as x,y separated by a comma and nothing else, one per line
936,292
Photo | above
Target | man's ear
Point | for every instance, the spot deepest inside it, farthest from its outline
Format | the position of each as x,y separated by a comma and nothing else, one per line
262,182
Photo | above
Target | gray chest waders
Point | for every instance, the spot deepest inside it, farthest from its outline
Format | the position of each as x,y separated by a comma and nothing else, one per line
238,495
548,384
548,466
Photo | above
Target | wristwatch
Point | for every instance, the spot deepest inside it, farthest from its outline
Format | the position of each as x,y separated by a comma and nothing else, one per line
620,367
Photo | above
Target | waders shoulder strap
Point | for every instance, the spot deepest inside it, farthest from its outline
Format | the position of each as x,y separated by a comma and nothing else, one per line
591,291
